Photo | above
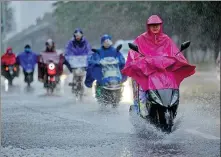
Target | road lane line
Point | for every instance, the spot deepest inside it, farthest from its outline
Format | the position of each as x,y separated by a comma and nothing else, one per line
204,135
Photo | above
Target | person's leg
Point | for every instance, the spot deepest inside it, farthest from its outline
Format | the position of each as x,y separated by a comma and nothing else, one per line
25,76
140,99
74,81
89,79
143,102
41,72
135,106
32,76
18,70
45,80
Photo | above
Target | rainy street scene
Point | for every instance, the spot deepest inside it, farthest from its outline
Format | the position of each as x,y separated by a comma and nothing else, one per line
110,79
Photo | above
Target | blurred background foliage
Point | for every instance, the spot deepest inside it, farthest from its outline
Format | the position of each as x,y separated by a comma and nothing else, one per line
199,22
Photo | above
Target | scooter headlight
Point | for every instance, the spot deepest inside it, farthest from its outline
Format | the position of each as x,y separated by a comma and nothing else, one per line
175,98
155,97
51,66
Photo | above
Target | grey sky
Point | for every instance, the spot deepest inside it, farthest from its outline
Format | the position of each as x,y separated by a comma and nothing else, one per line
26,12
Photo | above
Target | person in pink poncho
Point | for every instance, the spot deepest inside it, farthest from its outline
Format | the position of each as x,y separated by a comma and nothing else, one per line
162,67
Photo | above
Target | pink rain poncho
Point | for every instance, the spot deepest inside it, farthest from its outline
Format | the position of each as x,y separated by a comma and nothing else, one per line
161,68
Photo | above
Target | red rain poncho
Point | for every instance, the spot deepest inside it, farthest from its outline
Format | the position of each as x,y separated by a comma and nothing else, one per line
160,68
43,59
8,59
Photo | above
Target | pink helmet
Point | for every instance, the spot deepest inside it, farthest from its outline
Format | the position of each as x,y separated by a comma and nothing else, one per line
154,19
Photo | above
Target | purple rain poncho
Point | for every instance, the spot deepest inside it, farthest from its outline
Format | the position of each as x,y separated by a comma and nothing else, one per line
75,48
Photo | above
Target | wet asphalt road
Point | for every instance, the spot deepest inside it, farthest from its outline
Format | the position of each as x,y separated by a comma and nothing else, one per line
34,124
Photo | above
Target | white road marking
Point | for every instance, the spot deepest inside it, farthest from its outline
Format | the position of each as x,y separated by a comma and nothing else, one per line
204,135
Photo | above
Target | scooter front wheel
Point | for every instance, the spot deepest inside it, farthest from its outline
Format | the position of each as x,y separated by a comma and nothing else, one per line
166,120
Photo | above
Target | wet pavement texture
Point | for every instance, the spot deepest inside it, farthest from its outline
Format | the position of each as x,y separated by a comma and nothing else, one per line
38,125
